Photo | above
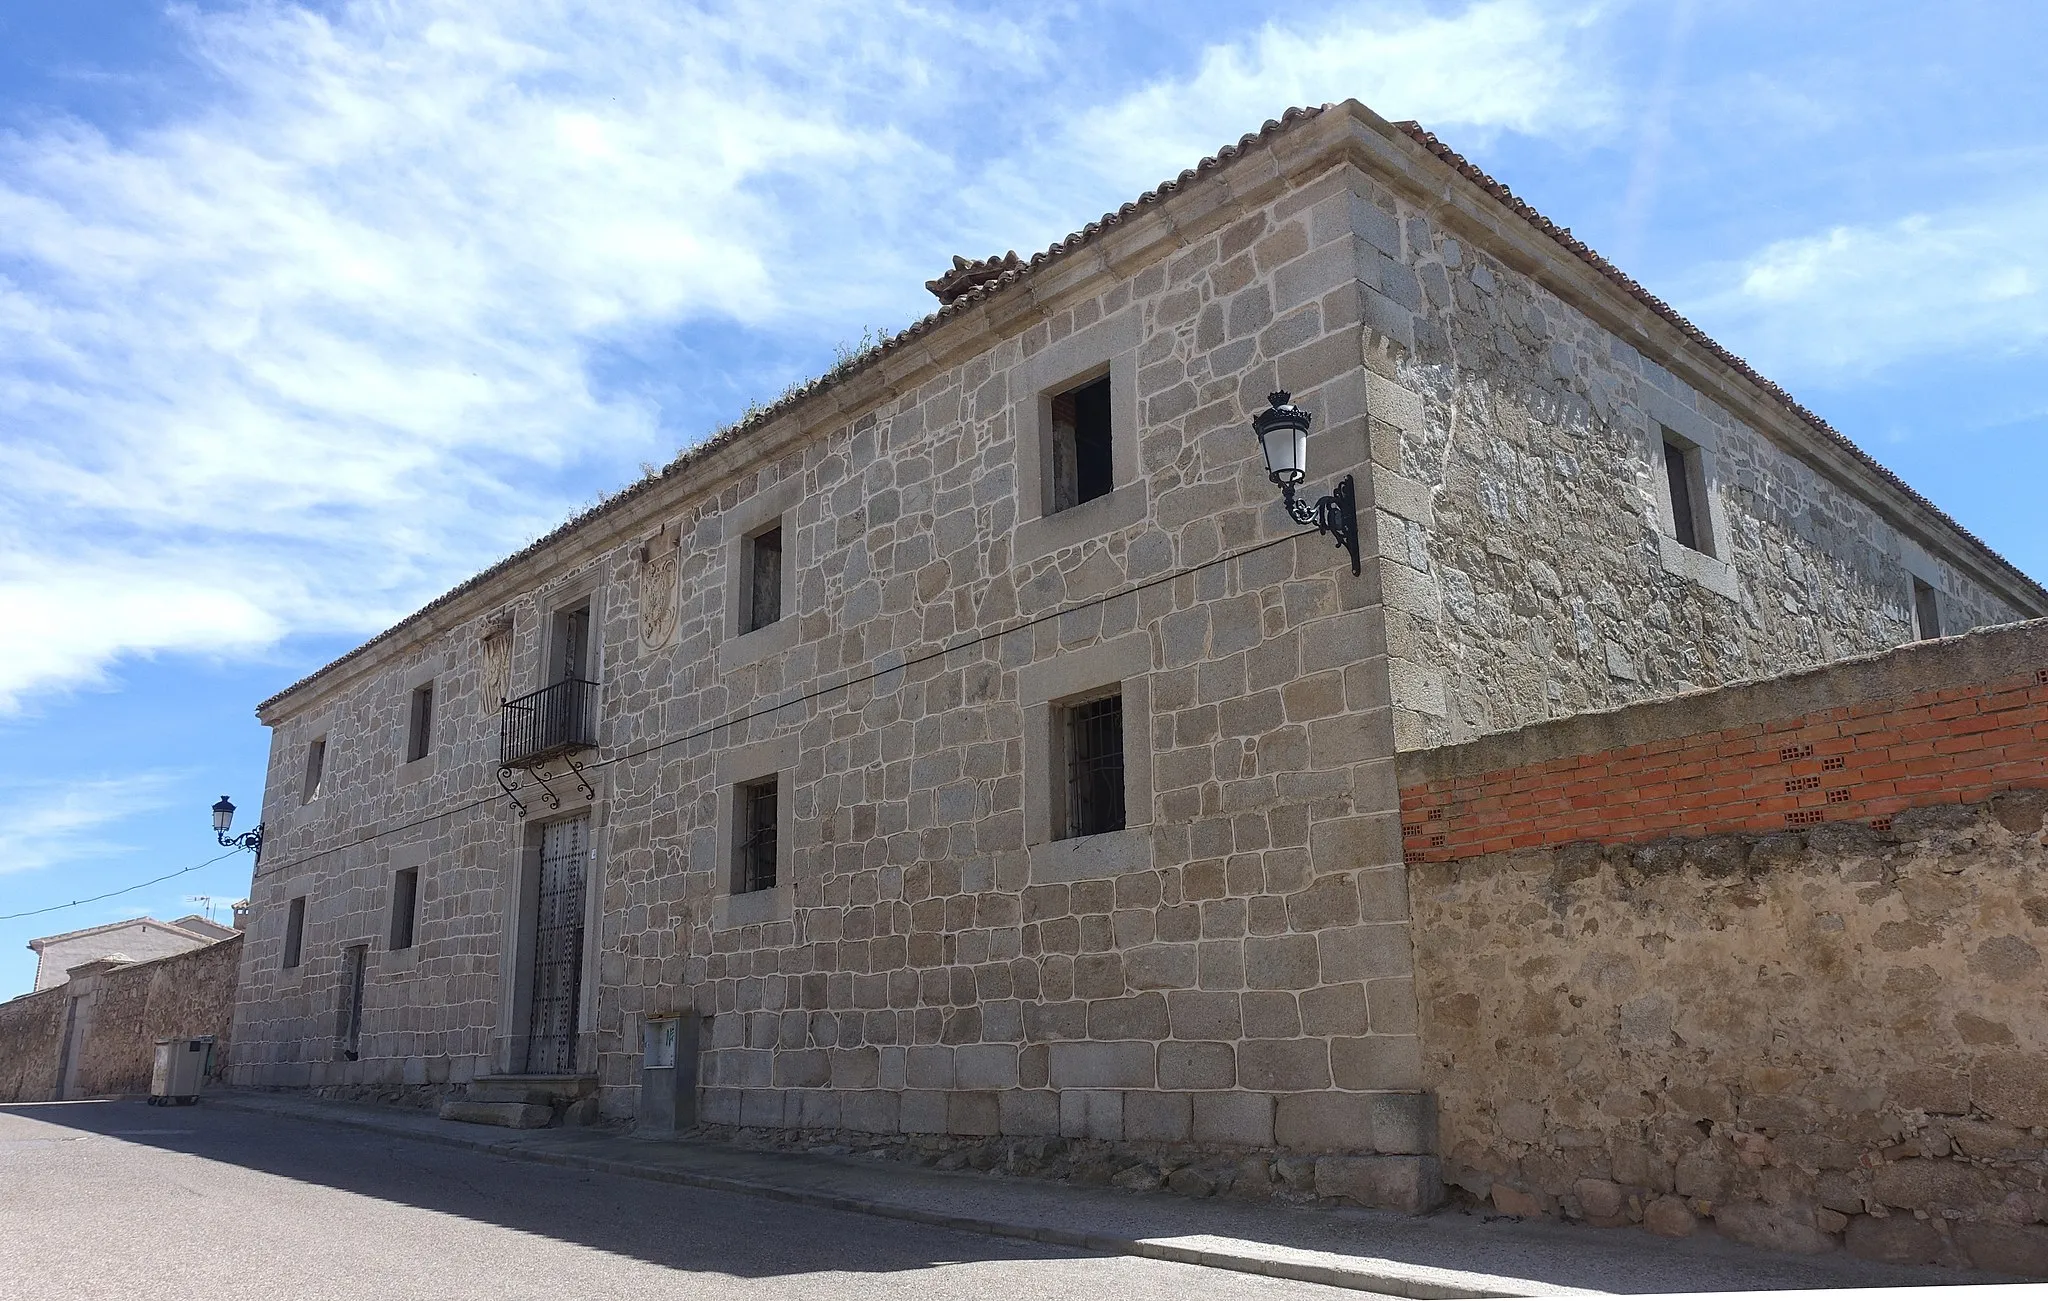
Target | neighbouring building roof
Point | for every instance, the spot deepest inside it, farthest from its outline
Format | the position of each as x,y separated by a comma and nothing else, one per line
966,283
205,927
176,928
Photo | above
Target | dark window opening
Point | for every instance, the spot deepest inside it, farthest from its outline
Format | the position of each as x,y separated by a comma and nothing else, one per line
294,931
419,737
756,812
354,959
1679,465
1095,766
761,599
316,767
572,646
1082,468
405,903
1926,610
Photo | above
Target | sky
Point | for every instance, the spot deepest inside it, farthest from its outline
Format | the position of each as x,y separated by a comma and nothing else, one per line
310,311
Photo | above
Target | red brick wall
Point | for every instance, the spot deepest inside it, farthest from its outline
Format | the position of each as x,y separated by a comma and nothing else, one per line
1864,762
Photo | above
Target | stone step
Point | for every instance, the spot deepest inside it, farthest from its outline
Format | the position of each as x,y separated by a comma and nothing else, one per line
544,1090
511,1115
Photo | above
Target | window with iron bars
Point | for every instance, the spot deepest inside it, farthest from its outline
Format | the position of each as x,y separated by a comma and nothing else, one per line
755,852
1095,766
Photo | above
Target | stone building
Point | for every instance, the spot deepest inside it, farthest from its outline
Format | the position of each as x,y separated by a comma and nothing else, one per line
974,743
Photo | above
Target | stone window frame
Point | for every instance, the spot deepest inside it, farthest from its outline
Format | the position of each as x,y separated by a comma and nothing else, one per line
1109,346
1671,420
291,955
426,673
739,766
413,857
771,507
313,772
319,728
587,590
1121,664
1921,567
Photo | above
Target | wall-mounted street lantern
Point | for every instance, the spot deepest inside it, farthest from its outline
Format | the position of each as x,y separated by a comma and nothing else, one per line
1283,436
224,817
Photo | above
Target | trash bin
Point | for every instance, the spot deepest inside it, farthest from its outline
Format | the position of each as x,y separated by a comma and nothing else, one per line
181,1066
668,1074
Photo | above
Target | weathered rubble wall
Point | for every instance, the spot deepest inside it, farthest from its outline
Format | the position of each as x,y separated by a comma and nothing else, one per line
183,996
124,1010
30,1027
1818,1035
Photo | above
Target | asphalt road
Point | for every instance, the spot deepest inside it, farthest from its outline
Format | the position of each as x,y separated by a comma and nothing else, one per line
121,1200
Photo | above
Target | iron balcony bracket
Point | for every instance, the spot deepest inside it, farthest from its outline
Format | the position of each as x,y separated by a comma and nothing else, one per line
1335,515
508,782
576,771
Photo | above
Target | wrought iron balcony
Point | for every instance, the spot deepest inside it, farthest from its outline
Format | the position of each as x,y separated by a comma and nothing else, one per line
548,724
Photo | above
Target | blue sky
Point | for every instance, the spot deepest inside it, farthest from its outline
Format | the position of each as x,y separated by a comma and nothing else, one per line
309,312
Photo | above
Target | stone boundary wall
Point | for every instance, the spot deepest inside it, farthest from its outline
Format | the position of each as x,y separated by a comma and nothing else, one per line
128,1009
1810,1037
1935,722
182,996
30,1027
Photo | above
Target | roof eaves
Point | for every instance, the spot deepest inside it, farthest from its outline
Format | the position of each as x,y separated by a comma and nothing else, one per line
41,940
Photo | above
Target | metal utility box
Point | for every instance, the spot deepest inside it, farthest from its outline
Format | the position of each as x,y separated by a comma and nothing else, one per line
181,1066
668,1074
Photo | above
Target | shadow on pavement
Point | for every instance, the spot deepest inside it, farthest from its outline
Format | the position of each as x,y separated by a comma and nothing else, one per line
670,1225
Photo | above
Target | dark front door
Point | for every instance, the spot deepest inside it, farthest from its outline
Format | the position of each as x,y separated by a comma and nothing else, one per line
558,948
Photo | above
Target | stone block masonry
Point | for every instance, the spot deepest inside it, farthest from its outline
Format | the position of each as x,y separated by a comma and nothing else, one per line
1232,966
1818,1036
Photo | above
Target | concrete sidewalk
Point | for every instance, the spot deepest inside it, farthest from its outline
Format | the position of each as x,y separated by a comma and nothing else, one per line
1450,1254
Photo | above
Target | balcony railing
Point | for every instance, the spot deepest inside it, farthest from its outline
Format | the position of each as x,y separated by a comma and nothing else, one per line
548,723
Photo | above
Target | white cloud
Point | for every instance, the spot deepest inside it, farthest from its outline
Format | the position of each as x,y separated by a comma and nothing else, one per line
1514,65
48,823
1855,299
302,357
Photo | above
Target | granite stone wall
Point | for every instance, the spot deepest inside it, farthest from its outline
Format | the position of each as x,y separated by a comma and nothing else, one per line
1813,1026
31,1030
125,1009
1233,967
1530,564
183,996
1808,1039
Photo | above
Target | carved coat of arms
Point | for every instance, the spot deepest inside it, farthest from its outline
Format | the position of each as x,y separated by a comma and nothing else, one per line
658,589
497,666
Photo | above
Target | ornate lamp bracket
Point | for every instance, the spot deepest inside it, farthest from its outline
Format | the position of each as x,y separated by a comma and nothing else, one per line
1335,515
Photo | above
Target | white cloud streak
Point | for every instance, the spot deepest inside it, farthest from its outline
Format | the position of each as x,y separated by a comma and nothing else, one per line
298,359
1854,299
48,824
